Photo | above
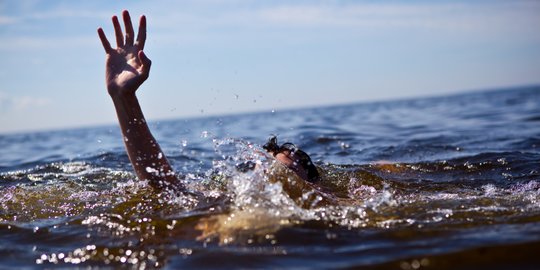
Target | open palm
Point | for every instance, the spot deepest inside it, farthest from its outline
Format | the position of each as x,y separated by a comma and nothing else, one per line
127,67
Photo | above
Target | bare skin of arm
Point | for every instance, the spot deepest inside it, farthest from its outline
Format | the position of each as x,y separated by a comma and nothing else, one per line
127,67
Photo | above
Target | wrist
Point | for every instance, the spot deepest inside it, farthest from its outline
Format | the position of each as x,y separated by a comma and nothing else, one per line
128,111
123,100
119,93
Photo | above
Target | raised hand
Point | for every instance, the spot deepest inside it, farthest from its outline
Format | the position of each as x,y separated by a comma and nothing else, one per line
127,67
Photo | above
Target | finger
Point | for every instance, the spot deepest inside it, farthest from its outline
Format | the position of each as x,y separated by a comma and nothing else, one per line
118,32
146,63
141,36
129,28
104,41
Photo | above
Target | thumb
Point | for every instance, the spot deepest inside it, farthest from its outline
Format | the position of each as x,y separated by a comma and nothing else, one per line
145,61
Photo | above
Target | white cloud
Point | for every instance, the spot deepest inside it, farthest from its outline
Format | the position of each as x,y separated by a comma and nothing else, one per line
63,12
25,43
199,20
476,19
21,103
432,15
4,20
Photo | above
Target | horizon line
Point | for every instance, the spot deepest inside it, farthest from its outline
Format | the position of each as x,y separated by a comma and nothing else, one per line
265,110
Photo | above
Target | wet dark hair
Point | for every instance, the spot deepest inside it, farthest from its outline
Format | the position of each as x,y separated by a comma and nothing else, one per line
271,145
301,157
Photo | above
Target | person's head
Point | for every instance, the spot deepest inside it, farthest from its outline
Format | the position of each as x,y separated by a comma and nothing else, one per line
292,157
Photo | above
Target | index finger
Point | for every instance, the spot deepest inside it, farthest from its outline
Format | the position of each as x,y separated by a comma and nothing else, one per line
141,35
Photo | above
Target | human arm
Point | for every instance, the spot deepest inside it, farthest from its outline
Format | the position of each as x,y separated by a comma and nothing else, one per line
127,67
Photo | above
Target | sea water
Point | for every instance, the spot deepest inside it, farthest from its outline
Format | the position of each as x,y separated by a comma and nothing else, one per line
441,183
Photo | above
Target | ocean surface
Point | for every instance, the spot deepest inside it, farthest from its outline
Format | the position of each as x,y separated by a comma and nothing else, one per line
447,182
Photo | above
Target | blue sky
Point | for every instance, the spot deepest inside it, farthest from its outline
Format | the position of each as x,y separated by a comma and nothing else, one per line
220,57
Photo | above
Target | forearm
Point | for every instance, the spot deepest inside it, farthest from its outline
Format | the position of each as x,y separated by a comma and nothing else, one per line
144,152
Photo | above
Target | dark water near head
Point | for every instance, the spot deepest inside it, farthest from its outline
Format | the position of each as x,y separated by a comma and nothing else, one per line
441,183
